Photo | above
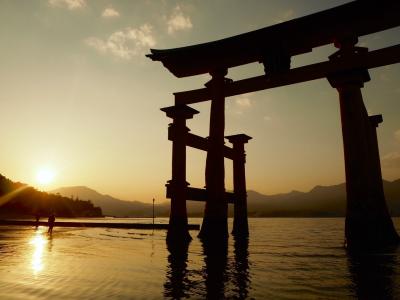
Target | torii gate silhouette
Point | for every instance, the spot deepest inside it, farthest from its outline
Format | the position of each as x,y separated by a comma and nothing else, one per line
368,223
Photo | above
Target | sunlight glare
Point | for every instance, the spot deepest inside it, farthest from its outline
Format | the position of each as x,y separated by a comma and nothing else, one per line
45,176
38,242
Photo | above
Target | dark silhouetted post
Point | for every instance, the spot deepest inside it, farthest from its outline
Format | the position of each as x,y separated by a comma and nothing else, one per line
215,221
176,187
240,223
367,220
153,213
375,158
377,183
368,223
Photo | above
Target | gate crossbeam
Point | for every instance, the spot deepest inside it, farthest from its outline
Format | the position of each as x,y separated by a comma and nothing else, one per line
368,222
197,142
369,60
201,195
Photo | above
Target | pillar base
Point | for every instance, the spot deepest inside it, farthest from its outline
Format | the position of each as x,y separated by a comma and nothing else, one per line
240,227
178,230
373,232
214,229
178,248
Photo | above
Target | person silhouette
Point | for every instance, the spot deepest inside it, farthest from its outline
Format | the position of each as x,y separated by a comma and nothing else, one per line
37,217
51,221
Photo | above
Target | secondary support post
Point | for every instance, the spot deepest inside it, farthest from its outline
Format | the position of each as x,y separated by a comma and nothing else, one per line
377,186
177,132
375,161
215,221
240,222
368,223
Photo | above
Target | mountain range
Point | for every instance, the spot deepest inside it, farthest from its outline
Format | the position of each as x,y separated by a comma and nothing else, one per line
321,201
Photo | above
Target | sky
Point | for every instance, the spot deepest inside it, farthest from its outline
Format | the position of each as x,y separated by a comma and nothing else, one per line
81,103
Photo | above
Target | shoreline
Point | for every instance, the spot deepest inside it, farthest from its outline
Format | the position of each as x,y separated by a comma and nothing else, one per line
94,224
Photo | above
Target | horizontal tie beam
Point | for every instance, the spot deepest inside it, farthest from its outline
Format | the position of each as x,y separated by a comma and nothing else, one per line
369,60
199,142
196,194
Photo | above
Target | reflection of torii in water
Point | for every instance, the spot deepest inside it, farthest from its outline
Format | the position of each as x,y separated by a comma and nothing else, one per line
368,222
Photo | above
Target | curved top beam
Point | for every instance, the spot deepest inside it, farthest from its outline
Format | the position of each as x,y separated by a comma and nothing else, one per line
290,38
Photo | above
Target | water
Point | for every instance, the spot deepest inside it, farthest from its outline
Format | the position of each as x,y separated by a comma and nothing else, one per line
284,259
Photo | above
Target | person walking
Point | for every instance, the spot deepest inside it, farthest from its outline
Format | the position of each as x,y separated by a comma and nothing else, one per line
50,222
37,217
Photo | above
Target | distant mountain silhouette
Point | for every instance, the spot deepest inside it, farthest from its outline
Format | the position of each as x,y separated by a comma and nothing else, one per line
19,200
321,201
112,206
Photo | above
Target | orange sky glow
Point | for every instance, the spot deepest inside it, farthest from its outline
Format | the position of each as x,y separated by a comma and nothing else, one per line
81,102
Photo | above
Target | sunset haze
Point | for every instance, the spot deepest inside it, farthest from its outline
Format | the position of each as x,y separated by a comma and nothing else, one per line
80,98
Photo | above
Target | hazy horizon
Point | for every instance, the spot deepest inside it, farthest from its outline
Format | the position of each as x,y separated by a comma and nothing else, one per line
167,200
80,101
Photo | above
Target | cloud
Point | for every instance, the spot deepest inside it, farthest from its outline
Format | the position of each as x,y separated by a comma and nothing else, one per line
397,135
285,16
383,76
241,103
70,4
391,160
363,44
267,118
126,43
178,21
110,13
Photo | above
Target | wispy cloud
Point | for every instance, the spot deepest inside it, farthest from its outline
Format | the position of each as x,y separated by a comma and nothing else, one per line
69,4
285,16
110,13
267,118
397,135
241,104
384,76
126,43
363,44
243,101
178,21
391,160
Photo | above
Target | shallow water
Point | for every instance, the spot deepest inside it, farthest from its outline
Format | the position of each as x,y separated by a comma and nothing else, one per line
284,259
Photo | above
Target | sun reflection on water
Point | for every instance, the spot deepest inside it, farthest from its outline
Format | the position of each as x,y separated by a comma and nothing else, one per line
38,243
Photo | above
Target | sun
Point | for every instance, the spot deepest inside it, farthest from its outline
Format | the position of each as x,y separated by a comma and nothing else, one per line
45,176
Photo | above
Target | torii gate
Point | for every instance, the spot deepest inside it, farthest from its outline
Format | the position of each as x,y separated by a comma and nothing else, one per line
368,222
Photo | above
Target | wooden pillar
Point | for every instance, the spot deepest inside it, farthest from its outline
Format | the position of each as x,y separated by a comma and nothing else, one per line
240,222
215,221
176,187
375,158
368,223
376,175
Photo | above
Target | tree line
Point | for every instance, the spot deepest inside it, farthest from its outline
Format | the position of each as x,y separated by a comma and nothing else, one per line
20,200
